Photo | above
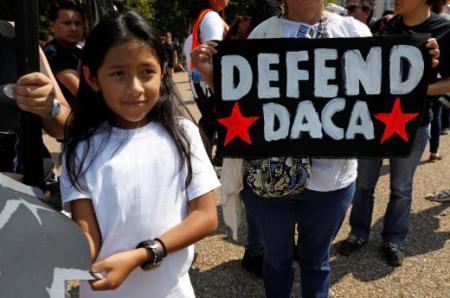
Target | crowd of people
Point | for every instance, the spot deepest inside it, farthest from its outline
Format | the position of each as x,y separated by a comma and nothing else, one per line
108,96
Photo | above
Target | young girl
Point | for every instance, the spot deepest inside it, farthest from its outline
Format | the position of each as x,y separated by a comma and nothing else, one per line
136,176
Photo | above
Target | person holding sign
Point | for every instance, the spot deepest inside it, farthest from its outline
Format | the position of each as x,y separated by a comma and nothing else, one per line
206,25
136,175
319,210
36,93
63,53
413,16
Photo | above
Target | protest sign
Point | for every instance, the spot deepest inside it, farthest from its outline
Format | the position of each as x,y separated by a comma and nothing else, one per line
40,248
340,97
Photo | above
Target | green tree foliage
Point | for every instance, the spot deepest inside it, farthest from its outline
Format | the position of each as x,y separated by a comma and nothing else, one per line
171,16
143,7
240,7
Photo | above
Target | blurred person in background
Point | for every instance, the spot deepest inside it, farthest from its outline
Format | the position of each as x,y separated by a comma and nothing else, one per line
206,25
412,17
67,26
37,93
336,9
362,10
379,24
171,54
444,11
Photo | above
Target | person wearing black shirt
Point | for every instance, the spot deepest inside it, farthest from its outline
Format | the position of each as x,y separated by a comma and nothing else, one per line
45,99
66,22
413,16
379,24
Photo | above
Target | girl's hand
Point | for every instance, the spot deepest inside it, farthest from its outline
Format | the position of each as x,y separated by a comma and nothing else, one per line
434,51
201,57
35,94
117,268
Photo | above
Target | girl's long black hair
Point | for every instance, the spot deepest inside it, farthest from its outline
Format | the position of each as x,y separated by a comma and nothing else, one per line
90,111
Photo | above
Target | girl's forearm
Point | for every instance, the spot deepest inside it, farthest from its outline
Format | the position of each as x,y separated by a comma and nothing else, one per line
201,222
84,215
94,246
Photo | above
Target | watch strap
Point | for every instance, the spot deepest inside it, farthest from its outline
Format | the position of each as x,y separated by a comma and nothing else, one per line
157,251
163,246
56,109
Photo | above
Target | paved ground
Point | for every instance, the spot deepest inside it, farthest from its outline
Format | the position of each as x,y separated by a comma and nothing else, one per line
216,271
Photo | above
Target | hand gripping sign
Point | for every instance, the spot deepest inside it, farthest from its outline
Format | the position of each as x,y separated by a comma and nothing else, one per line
340,97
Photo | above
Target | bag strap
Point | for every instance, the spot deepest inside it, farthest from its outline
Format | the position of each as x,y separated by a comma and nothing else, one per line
196,31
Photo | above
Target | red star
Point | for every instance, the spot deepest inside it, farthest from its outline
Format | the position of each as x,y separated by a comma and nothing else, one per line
395,121
237,125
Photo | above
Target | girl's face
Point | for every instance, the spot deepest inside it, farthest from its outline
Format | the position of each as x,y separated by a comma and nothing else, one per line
129,80
410,7
218,5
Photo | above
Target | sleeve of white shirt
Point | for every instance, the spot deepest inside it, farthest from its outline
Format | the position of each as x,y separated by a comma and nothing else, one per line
204,178
187,50
212,27
68,191
359,29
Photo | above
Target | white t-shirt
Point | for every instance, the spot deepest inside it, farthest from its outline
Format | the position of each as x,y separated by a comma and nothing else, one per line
137,190
211,28
326,174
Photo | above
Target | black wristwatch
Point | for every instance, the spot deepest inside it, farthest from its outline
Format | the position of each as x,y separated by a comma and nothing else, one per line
158,251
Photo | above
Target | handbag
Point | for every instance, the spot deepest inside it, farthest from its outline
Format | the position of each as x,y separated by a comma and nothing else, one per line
277,177
282,177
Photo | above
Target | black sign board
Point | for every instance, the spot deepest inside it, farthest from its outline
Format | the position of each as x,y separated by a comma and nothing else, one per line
340,97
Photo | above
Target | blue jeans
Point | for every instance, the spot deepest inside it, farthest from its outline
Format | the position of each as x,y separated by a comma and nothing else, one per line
254,239
436,127
445,117
319,216
396,218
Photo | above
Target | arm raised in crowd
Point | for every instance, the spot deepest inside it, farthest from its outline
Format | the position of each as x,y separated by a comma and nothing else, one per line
440,87
36,93
70,79
202,59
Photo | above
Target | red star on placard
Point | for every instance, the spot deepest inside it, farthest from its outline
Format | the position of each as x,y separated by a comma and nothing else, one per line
395,121
237,125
